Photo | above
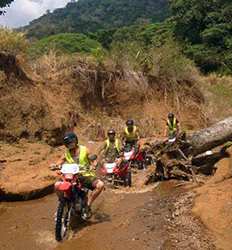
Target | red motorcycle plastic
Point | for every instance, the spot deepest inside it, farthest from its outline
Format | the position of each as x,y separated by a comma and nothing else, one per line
135,156
118,172
72,200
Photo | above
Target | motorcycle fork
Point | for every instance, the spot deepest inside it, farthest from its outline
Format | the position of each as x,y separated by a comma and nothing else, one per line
83,199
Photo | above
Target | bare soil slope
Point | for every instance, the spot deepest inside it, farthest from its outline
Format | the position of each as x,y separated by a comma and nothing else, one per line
86,94
214,203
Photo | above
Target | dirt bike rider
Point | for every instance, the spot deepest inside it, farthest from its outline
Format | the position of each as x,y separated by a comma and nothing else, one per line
172,126
111,150
76,153
131,134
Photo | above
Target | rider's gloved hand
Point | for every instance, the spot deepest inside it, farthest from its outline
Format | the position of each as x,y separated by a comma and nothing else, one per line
54,166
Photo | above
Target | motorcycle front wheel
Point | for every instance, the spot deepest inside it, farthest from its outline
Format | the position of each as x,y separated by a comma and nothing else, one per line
62,220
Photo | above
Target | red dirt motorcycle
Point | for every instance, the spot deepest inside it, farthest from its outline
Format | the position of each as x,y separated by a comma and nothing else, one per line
135,156
118,172
72,200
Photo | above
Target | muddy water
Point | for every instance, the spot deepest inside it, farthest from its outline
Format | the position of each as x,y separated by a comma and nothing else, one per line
122,219
27,225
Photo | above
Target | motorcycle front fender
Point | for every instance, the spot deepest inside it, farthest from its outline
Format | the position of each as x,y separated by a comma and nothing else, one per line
63,189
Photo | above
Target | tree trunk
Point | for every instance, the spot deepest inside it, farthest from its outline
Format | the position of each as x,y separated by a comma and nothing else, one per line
211,137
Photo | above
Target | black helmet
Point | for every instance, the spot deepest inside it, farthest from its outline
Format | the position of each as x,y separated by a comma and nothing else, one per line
69,138
111,132
170,115
129,122
92,158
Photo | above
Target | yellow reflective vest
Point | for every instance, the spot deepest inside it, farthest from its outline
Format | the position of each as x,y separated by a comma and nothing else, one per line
131,136
83,160
116,144
172,126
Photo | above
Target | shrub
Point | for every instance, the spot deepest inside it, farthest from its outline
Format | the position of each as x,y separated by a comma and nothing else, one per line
168,62
65,43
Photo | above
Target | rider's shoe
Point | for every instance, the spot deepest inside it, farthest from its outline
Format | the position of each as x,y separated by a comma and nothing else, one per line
86,213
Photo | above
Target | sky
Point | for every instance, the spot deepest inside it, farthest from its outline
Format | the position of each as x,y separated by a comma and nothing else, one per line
21,12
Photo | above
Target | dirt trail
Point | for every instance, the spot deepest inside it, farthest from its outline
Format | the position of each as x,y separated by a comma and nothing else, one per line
146,218
122,219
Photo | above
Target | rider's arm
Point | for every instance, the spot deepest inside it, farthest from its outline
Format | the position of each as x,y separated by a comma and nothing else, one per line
88,154
56,166
93,162
61,161
102,149
123,137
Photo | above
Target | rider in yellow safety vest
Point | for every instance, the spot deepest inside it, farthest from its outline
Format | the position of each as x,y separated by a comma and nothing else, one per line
131,133
76,153
111,148
172,125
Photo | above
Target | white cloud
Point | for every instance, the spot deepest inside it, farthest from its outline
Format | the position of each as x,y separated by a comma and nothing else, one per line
21,12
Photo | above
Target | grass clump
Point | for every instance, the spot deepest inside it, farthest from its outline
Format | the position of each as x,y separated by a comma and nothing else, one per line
12,42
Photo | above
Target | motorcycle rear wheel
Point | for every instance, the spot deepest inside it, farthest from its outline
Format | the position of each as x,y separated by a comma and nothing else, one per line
128,180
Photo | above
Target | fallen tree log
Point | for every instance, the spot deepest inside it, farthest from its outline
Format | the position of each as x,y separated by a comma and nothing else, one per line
209,159
211,137
200,141
185,157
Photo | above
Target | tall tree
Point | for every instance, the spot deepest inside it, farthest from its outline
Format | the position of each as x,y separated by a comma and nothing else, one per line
4,3
206,27
85,16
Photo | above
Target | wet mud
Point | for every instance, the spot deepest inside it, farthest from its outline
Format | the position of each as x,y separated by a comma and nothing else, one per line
123,219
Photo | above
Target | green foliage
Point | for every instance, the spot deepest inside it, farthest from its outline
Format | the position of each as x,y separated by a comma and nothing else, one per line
105,37
4,3
165,62
208,59
203,29
99,55
206,29
12,42
65,43
86,16
144,34
169,63
214,36
128,54
128,34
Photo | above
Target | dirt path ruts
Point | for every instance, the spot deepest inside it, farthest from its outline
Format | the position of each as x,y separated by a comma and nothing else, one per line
122,220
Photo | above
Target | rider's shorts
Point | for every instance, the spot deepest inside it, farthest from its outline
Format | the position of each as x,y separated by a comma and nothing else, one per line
89,182
131,142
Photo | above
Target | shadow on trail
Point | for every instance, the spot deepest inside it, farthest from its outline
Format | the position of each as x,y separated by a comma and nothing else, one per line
97,218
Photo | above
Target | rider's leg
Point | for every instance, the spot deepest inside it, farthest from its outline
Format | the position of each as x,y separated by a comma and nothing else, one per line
136,146
99,186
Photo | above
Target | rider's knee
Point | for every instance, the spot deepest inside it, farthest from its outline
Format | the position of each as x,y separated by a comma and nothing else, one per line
100,185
